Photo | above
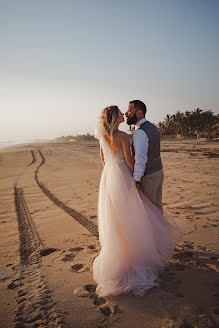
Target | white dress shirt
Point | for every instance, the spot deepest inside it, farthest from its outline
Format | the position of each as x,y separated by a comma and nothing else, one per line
140,143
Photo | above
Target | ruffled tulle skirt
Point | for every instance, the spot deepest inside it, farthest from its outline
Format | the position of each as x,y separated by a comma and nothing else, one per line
135,237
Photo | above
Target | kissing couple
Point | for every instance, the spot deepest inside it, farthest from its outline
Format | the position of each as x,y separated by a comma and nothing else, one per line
136,239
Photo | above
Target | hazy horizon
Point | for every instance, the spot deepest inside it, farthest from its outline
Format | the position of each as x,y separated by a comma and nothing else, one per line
62,62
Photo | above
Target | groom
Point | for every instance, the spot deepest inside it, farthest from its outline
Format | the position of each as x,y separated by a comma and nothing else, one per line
148,172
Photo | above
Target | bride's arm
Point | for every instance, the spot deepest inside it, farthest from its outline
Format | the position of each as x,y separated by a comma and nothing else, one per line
127,153
102,156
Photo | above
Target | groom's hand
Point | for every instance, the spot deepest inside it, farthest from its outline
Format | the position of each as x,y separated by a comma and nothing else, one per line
138,185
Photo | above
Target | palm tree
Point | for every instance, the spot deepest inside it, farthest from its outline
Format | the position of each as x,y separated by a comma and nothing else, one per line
167,122
179,121
161,128
208,121
188,123
187,120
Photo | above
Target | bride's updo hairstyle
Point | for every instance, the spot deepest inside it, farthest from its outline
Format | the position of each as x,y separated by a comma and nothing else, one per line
109,121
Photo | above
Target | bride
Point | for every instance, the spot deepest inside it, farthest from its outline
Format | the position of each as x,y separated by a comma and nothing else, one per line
136,239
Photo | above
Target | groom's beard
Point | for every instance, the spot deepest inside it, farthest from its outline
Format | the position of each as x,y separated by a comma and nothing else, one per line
132,120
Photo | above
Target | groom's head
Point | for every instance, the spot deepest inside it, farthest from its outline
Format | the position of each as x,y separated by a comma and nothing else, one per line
135,112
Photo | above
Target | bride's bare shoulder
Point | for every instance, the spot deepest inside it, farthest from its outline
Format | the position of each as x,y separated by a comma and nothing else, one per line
121,138
123,135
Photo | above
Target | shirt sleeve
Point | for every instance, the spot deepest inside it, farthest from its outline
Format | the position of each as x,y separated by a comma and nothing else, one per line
140,142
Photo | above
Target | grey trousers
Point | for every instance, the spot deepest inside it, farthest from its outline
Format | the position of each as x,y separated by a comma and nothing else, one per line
152,185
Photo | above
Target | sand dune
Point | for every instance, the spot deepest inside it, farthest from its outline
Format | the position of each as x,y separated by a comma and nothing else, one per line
49,238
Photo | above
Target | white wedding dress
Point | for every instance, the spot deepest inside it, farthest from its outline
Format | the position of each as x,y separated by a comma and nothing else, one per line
136,239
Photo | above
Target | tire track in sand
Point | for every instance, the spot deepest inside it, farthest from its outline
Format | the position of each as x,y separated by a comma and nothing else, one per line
33,158
90,226
35,305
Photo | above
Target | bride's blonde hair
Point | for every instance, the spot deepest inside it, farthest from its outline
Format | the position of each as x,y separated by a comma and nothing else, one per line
109,121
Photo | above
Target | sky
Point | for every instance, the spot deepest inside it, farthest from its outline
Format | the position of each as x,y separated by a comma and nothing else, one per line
62,62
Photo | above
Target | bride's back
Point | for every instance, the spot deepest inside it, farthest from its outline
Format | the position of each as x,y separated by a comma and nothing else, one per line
120,149
117,140
113,142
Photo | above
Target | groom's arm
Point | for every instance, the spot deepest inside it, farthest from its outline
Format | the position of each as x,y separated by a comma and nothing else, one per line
140,142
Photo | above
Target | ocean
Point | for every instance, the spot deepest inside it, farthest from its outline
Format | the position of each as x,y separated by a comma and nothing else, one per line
4,144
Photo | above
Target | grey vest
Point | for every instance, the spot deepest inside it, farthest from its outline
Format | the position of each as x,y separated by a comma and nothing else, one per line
154,161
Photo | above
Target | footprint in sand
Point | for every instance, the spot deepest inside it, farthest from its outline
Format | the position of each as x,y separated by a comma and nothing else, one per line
68,257
47,251
99,301
86,289
76,249
77,267
14,284
81,292
106,308
91,246
102,306
92,249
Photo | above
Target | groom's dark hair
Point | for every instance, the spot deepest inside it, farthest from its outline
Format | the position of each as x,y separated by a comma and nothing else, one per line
138,104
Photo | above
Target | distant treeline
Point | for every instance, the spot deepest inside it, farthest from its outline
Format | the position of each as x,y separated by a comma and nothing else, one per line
86,137
197,123
79,137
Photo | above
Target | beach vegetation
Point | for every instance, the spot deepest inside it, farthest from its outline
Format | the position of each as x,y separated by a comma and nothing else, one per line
190,124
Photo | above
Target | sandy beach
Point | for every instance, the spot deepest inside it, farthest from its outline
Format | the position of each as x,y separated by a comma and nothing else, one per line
49,239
